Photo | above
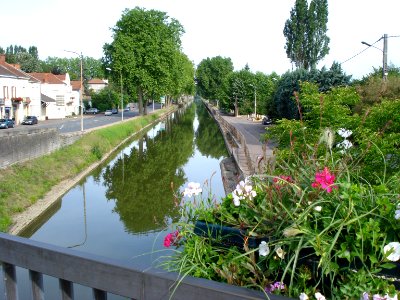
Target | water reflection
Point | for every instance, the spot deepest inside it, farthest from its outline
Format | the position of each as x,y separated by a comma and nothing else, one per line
140,182
123,207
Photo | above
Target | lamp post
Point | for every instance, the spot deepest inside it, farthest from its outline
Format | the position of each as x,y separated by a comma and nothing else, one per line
122,95
81,90
384,51
255,100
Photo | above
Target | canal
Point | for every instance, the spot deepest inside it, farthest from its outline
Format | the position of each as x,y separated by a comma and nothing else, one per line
125,207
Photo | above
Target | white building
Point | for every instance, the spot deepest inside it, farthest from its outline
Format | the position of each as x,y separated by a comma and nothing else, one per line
19,93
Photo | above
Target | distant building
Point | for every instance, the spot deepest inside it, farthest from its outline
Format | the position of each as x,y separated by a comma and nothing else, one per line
97,84
19,92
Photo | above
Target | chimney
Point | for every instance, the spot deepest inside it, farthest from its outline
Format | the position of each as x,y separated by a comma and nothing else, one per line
2,58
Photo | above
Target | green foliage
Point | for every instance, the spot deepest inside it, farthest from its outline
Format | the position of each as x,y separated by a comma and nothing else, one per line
325,211
211,77
305,32
146,54
285,107
105,99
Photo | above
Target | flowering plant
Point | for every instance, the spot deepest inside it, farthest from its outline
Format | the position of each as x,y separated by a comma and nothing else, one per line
327,228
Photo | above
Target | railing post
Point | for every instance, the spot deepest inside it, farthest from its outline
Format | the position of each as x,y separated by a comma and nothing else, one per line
99,294
67,289
10,279
37,285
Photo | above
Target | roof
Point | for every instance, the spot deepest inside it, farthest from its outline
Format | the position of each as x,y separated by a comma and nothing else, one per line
45,98
97,81
76,85
47,78
8,70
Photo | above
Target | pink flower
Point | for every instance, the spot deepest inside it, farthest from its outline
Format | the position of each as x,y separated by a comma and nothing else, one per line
171,238
324,180
281,181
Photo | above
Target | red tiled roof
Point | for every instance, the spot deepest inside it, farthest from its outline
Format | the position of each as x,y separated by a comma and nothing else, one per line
76,85
9,70
47,78
96,81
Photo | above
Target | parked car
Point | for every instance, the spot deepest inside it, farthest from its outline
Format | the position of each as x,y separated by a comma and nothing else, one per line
6,123
108,112
267,120
30,120
92,111
114,110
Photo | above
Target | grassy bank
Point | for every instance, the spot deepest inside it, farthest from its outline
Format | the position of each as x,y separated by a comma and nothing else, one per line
22,184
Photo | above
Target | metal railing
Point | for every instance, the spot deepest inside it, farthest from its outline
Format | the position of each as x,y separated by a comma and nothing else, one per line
103,275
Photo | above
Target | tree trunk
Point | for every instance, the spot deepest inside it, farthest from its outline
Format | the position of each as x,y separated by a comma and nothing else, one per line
140,99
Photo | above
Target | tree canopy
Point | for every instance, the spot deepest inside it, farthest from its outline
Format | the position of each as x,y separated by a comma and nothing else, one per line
146,54
305,32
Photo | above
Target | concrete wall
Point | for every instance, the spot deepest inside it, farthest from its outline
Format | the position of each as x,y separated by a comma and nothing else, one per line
17,146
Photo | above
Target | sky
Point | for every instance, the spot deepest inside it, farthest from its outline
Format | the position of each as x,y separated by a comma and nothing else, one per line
249,32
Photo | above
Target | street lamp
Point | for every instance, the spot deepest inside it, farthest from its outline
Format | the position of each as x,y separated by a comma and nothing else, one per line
81,90
384,51
255,100
122,95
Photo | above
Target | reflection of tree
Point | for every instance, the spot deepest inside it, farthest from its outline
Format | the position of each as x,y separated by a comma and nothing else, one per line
140,183
209,139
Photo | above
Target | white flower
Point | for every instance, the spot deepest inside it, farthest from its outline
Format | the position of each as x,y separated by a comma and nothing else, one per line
344,133
318,208
328,137
279,251
192,189
263,249
397,214
394,247
319,296
344,145
303,296
243,190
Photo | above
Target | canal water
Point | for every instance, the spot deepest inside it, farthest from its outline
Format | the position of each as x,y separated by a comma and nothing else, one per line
125,207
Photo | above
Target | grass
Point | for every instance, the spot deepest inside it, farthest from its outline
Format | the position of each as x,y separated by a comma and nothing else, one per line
23,184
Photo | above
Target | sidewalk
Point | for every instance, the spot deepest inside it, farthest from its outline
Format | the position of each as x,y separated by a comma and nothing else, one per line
259,153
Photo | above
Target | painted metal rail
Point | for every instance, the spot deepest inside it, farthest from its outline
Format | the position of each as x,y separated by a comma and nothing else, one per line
103,275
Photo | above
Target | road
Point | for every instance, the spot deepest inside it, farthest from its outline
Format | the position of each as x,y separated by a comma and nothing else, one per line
73,124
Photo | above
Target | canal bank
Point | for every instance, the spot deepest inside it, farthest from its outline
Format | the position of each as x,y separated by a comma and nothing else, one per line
23,219
249,153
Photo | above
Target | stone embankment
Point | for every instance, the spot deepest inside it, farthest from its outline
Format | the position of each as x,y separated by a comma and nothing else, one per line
249,153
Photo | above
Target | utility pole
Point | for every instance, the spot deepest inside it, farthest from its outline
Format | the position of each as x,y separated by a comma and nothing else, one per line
384,67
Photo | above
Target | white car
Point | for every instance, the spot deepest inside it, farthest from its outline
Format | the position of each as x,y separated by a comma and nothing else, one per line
108,112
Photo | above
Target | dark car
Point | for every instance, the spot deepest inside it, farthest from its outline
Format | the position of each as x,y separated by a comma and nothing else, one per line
114,110
6,123
30,120
267,120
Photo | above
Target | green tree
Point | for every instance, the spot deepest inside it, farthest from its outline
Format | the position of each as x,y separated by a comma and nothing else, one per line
145,53
212,78
305,32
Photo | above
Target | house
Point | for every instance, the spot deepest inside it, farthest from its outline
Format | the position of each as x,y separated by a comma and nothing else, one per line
57,96
19,92
96,84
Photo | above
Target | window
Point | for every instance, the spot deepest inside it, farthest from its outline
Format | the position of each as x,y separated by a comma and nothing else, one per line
60,100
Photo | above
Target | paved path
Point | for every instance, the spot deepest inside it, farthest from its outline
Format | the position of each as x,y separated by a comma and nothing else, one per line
260,152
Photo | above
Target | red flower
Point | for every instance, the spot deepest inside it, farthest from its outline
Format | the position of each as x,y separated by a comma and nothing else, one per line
324,180
171,238
281,181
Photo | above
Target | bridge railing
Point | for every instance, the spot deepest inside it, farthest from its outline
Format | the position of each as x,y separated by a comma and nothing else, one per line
103,275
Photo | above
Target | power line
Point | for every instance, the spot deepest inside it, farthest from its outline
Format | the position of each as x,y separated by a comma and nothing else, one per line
361,51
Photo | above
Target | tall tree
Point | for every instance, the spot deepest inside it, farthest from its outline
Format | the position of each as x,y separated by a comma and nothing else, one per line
144,51
211,77
305,32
